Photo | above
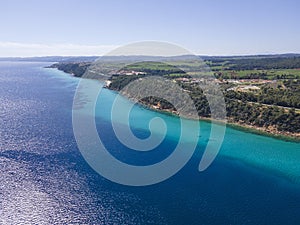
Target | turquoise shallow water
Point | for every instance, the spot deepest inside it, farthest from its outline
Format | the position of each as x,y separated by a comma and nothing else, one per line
282,158
45,180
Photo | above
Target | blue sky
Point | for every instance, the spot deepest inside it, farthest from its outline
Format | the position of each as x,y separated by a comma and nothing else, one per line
93,27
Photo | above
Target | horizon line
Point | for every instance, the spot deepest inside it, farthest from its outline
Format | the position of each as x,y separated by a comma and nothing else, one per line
31,50
201,55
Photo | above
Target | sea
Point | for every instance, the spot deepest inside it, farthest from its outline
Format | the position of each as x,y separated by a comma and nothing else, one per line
45,179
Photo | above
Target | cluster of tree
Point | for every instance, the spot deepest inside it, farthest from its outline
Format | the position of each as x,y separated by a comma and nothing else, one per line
119,82
159,102
286,97
264,116
264,63
293,85
234,75
75,68
280,97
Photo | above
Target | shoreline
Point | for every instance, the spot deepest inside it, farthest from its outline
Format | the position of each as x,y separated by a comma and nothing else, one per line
264,132
281,135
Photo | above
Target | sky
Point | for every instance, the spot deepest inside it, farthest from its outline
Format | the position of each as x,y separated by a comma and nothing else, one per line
95,27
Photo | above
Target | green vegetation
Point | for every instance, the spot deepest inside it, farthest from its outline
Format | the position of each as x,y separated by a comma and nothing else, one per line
267,63
264,67
272,74
259,91
76,68
285,93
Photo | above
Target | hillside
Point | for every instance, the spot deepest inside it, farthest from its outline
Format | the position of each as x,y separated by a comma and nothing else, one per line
261,92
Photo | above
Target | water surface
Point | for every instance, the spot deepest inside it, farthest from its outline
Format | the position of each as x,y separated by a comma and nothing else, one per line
45,180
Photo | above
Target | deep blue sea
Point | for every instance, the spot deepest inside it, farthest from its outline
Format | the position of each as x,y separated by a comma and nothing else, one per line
45,180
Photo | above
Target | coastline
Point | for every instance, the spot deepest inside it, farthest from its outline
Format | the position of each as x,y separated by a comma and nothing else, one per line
281,135
263,131
273,133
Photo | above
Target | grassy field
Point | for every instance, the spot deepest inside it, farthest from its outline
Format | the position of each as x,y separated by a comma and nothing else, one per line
194,66
150,66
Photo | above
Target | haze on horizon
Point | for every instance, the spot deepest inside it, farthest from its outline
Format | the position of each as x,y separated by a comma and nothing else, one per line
75,28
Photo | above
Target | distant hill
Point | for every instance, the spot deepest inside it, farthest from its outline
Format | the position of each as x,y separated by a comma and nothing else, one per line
146,58
51,59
